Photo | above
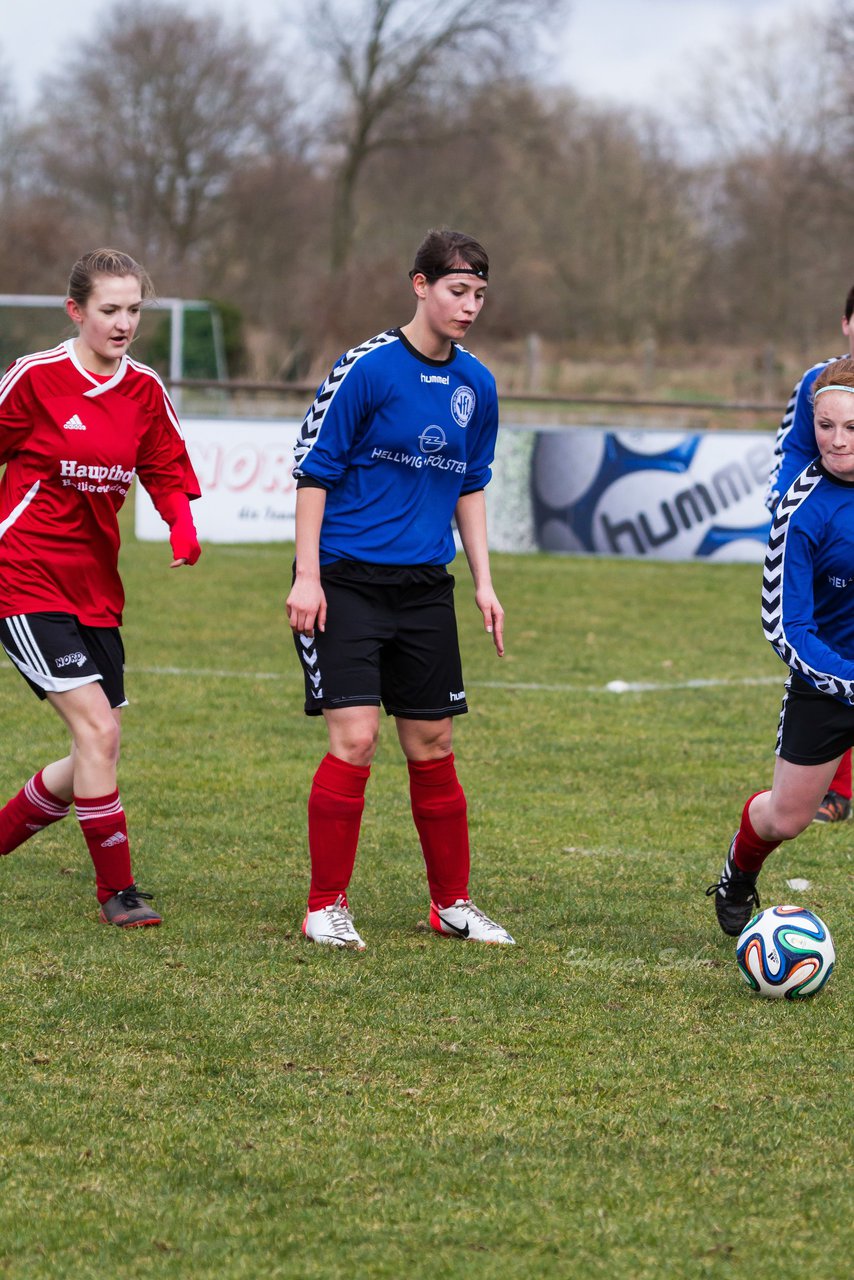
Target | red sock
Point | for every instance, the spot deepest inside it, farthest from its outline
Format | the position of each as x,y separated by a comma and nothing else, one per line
335,805
105,828
33,808
841,782
750,851
439,810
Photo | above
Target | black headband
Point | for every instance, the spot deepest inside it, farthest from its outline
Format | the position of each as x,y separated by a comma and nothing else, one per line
448,271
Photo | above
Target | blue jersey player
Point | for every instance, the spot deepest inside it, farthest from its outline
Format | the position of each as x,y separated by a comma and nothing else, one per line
396,445
807,615
794,448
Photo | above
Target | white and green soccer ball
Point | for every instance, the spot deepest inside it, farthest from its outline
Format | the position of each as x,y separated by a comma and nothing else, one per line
785,952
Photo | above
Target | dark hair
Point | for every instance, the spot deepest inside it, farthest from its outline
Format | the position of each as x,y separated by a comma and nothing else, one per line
849,303
837,373
442,250
104,262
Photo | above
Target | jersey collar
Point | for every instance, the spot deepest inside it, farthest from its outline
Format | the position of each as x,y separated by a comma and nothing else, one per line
435,364
845,484
97,388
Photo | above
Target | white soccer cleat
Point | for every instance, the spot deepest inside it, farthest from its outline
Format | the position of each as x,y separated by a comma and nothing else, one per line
333,926
465,920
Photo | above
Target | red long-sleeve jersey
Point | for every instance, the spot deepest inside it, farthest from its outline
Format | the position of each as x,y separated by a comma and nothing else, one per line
72,443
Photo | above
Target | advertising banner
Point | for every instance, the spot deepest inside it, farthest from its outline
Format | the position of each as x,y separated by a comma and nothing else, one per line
660,495
666,495
244,469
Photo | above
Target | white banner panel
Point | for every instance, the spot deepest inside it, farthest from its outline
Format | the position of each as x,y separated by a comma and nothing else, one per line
666,495
244,469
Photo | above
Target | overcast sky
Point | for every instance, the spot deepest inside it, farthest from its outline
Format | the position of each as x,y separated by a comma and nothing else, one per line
635,52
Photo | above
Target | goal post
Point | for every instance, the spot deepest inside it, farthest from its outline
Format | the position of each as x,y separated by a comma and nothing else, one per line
14,333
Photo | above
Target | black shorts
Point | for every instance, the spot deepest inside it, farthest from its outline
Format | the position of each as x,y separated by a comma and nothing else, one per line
814,727
390,639
55,652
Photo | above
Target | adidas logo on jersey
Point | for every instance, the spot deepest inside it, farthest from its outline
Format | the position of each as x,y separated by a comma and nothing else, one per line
118,838
74,424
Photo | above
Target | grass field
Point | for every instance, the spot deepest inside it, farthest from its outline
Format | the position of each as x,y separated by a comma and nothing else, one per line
218,1098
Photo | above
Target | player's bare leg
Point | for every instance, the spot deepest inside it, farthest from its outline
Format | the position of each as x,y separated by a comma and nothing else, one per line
768,818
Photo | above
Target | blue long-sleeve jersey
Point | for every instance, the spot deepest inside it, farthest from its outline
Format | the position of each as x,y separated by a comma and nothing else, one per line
795,444
396,439
808,582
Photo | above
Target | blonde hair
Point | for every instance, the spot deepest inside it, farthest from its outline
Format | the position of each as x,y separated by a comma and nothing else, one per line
104,262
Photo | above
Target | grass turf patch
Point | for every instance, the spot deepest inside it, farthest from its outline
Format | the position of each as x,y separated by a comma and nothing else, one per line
219,1098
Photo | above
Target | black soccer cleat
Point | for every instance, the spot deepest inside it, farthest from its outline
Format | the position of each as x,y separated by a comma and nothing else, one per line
736,895
128,910
833,808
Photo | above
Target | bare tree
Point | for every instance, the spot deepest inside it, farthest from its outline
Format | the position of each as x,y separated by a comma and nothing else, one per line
774,219
265,259
150,120
34,232
389,56
9,133
840,56
766,91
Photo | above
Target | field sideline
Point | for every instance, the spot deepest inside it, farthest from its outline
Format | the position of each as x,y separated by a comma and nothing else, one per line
218,1098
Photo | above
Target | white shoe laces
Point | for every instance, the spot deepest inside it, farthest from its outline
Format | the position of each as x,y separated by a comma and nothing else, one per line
340,920
466,905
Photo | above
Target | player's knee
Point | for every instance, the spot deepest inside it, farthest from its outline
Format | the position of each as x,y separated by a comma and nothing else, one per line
789,824
358,746
98,737
428,739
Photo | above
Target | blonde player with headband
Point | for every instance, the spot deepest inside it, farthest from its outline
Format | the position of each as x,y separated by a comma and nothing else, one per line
794,448
808,617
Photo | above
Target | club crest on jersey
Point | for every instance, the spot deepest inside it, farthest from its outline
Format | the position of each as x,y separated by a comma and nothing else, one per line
462,405
431,440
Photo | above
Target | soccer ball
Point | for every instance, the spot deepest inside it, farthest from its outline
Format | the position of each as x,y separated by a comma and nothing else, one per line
785,951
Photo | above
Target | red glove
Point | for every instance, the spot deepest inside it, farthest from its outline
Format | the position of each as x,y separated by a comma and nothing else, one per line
175,510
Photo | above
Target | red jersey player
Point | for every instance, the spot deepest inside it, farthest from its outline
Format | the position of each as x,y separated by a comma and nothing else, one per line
77,423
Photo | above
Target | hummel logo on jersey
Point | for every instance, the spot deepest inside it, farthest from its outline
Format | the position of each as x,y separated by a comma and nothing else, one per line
118,838
457,697
308,653
79,660
74,424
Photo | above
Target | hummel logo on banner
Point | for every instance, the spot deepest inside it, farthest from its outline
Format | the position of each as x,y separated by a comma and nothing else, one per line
118,838
74,424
